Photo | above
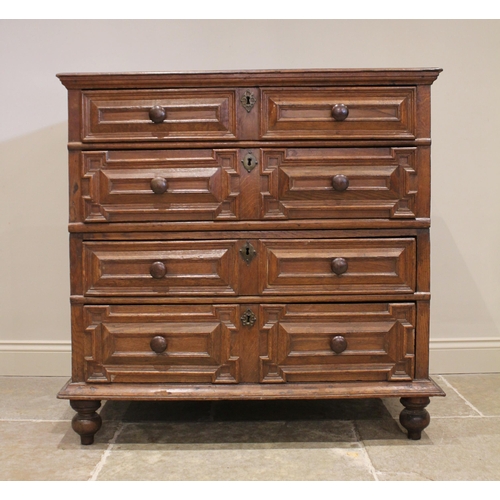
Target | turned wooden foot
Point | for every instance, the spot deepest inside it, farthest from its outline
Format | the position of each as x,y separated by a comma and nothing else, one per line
414,417
86,422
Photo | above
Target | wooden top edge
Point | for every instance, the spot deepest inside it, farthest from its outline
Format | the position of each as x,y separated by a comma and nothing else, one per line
248,78
257,71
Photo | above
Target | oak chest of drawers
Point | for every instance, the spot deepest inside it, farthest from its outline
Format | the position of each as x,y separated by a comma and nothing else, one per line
250,235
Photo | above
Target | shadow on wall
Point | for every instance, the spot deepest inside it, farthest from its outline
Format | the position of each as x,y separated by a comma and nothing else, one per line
458,310
34,260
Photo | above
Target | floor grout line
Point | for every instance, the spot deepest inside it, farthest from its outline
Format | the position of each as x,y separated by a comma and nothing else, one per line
105,455
371,467
35,420
434,417
466,402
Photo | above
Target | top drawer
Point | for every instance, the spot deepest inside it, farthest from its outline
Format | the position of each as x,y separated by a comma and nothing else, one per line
339,113
330,113
158,115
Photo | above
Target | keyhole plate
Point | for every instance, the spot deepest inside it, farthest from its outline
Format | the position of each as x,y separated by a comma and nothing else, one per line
249,162
248,318
248,100
248,252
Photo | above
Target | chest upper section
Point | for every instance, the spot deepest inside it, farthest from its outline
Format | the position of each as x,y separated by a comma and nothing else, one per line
312,105
269,146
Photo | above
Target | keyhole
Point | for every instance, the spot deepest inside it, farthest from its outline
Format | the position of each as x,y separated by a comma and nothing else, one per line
249,162
247,100
248,318
247,252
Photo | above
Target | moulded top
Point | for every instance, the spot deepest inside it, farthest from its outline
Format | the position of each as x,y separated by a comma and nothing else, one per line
249,78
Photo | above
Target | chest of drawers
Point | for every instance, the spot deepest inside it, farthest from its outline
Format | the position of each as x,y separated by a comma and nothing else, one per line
250,235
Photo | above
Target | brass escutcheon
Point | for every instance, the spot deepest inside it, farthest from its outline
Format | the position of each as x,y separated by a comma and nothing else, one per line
249,162
248,100
248,318
248,252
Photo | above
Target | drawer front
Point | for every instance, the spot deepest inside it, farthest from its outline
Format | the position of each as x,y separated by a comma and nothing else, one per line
163,343
158,115
339,113
337,342
340,266
207,184
162,268
155,186
344,183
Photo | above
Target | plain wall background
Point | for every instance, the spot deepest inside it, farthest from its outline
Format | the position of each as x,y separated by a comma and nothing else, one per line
34,283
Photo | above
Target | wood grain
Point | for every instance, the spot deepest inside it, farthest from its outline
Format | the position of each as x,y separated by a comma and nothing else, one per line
332,299
204,392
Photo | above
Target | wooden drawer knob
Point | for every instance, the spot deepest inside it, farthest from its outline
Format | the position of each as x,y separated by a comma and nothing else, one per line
158,270
339,266
338,344
158,344
159,185
340,112
157,114
340,182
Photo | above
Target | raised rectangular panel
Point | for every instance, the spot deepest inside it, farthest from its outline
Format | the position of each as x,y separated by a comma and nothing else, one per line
296,342
123,115
373,266
374,113
117,186
190,268
376,183
201,343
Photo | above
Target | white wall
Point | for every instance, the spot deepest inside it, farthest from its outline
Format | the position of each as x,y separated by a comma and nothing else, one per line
34,285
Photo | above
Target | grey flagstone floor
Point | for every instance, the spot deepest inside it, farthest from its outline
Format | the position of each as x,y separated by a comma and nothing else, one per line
329,440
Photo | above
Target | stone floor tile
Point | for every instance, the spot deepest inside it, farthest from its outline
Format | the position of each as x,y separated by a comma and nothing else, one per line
252,440
244,463
195,411
237,450
196,435
33,398
451,449
399,476
39,451
481,390
348,409
382,429
326,433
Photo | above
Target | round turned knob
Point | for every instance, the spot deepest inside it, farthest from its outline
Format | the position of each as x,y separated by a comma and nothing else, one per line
339,266
340,112
159,185
158,344
340,182
338,344
157,114
158,270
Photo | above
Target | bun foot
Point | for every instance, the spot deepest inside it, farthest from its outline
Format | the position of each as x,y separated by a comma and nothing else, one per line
414,417
86,422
